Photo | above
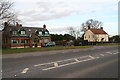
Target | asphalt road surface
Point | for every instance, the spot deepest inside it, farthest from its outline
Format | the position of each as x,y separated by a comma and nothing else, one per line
93,62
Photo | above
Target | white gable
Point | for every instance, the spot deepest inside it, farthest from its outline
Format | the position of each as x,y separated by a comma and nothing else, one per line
91,37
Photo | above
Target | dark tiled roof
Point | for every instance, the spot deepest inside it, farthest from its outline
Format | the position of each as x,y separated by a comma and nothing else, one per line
98,31
29,30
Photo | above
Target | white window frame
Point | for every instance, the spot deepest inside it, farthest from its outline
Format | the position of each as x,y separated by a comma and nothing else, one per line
46,33
40,32
17,41
22,32
25,41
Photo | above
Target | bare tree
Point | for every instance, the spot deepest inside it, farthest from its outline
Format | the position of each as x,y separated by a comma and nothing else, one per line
74,32
92,23
6,14
5,10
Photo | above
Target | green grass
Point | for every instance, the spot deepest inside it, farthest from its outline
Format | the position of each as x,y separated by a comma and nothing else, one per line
23,50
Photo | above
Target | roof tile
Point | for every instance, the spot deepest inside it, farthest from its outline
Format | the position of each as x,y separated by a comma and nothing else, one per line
98,31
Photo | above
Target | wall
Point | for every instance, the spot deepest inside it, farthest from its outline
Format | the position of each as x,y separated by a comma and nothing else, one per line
100,36
89,36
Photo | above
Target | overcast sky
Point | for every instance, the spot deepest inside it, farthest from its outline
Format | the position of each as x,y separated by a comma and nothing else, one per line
58,15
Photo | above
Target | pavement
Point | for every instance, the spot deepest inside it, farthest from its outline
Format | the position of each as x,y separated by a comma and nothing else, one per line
92,62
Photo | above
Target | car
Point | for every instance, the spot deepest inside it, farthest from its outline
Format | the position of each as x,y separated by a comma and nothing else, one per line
48,44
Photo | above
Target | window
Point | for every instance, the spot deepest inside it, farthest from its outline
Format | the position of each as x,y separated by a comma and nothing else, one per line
46,33
15,41
40,32
22,32
23,41
14,32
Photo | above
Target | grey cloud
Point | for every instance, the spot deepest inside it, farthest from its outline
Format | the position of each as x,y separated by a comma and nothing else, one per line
47,11
58,30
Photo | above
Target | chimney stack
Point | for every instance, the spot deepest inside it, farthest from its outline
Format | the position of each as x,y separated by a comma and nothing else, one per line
101,27
17,25
44,26
20,25
88,26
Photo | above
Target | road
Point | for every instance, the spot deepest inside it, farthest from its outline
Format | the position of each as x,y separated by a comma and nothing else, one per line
93,62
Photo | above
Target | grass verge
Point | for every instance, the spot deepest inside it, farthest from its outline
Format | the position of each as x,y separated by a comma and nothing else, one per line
23,50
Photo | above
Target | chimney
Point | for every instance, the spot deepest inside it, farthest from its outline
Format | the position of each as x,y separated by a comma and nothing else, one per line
101,27
88,26
44,26
20,25
17,25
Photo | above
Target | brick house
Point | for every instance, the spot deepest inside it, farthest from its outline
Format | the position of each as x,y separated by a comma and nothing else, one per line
24,37
96,35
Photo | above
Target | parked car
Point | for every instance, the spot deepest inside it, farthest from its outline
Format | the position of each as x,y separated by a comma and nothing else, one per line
48,44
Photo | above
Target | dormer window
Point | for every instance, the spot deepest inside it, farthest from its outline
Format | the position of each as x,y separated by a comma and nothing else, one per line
40,32
22,32
46,33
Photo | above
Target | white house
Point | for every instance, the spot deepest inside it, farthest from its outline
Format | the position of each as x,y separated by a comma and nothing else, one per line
96,35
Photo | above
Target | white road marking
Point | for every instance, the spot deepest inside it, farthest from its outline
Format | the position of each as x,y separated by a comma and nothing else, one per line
102,54
65,65
116,53
109,52
76,60
84,56
25,70
59,61
55,64
92,57
97,57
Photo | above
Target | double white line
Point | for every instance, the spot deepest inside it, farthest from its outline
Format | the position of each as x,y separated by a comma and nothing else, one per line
61,61
56,65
